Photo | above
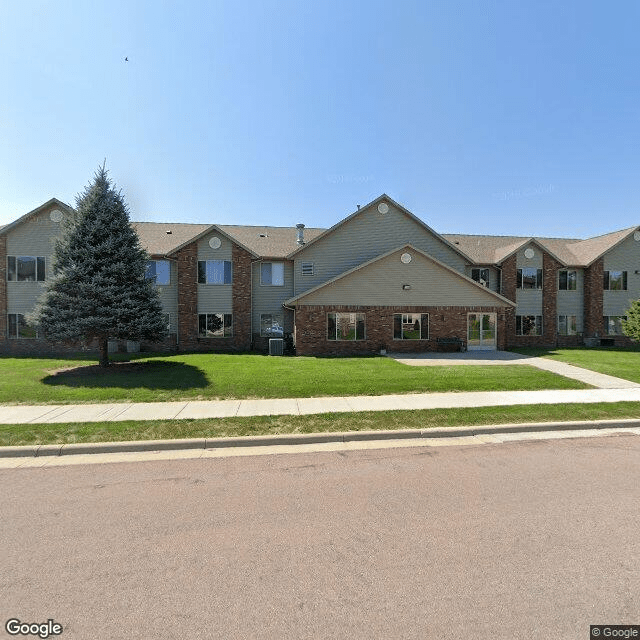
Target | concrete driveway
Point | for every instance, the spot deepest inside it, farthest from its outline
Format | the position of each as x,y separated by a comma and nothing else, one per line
484,358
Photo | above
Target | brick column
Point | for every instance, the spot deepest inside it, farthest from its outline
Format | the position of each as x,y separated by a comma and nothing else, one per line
241,291
549,299
3,289
593,299
188,297
509,273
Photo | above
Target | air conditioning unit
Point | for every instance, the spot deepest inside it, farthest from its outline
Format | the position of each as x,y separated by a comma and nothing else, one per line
276,346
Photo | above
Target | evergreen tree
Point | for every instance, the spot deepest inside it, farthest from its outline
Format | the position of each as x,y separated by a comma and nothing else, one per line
98,289
631,326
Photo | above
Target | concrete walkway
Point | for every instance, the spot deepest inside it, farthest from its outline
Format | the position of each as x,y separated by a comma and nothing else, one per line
22,414
483,358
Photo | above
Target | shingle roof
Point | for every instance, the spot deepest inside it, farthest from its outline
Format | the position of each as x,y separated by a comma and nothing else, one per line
572,251
269,242
160,238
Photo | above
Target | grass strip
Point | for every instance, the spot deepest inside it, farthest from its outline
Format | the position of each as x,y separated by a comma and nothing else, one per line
65,433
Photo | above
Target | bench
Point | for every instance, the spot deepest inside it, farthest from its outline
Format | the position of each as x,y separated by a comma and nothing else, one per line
450,344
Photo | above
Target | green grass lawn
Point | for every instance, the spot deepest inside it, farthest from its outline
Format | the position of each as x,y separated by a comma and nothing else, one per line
614,361
24,434
219,376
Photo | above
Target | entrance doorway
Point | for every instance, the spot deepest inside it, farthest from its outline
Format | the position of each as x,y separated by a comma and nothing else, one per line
481,332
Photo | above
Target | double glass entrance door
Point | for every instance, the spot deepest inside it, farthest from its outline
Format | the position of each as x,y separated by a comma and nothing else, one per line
481,332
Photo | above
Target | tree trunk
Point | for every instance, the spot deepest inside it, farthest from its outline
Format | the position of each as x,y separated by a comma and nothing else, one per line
104,352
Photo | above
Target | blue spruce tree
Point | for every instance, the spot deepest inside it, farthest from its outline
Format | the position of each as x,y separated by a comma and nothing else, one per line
98,290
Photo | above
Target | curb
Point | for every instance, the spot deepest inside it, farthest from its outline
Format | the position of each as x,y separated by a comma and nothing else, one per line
303,438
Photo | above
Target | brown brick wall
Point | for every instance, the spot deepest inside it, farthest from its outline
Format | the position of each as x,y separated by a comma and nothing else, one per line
509,292
444,322
188,303
593,299
3,289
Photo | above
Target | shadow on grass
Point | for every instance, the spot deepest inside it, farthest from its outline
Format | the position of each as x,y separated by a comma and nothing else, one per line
158,374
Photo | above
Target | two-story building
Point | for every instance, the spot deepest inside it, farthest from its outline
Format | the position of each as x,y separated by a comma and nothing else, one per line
378,279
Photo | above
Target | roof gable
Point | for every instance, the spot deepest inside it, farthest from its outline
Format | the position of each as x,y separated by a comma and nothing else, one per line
53,203
382,279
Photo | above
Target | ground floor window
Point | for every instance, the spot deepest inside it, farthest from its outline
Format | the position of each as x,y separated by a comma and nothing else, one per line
528,325
410,326
17,327
345,326
271,325
567,325
215,325
613,325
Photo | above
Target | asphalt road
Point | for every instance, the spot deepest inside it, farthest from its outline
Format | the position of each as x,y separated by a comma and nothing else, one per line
522,540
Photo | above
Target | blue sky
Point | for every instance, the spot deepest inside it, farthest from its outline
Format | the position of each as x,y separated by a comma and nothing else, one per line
480,117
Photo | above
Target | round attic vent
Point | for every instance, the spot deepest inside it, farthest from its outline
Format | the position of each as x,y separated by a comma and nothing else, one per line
529,253
405,258
56,215
636,236
383,207
215,242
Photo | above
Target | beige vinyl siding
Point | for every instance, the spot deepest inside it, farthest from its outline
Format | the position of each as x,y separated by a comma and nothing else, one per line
169,294
624,257
215,298
365,236
529,301
269,299
35,237
571,303
380,283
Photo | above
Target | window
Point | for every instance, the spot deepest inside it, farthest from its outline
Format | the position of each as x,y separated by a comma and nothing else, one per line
307,268
613,325
529,278
528,325
167,320
567,280
410,326
271,325
272,274
567,325
160,270
26,269
17,327
345,326
615,280
481,276
215,325
214,272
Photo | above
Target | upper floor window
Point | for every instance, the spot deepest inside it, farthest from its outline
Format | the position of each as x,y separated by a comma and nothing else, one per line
615,280
26,269
160,270
307,268
529,278
481,276
272,274
214,271
567,280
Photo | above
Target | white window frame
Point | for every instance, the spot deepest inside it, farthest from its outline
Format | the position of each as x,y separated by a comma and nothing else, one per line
17,335
36,259
353,319
520,279
480,279
607,320
279,266
570,326
404,320
575,279
530,335
279,321
607,279
155,276
224,271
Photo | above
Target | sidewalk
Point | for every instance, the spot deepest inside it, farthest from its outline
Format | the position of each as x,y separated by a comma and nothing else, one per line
23,414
